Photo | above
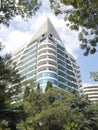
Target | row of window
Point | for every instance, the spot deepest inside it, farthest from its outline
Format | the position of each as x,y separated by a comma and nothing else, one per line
67,82
27,65
28,51
32,44
63,86
71,79
47,74
69,67
67,76
65,70
61,62
31,58
26,76
60,52
70,72
29,54
28,70
72,85
61,68
60,47
67,61
61,57
44,81
62,80
27,61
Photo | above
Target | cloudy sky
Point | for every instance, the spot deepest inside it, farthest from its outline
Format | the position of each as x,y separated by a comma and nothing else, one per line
20,32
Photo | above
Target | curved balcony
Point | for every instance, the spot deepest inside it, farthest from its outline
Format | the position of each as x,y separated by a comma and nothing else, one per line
47,46
45,67
48,62
46,43
48,56
47,50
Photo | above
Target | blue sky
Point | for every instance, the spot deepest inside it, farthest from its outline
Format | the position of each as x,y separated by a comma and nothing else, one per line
20,32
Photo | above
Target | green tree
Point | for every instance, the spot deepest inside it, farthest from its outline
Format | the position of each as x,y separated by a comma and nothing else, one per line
9,90
11,8
49,86
86,118
38,87
80,13
9,79
94,75
26,93
65,112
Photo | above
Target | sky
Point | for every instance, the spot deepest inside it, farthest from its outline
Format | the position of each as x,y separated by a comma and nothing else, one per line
21,32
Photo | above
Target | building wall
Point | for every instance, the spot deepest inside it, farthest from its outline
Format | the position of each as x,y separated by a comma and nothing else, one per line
91,91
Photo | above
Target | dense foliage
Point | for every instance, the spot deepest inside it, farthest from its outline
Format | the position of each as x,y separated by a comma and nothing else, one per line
94,75
58,110
81,13
9,78
12,8
53,109
9,90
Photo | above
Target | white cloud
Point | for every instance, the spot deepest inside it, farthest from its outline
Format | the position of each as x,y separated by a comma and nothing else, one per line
16,39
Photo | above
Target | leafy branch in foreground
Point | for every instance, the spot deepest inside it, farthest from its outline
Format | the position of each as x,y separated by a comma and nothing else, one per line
94,75
10,89
11,8
80,14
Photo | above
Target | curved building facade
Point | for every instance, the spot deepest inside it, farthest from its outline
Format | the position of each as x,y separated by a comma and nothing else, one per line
45,59
91,91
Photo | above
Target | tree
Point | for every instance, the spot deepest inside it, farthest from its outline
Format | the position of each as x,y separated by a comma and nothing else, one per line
9,78
12,115
49,86
69,112
26,93
9,90
94,75
38,87
80,13
11,8
86,110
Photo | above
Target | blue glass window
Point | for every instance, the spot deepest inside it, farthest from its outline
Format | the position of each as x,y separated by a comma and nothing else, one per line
47,74
44,81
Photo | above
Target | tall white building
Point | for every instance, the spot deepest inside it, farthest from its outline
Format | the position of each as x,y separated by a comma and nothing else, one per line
45,59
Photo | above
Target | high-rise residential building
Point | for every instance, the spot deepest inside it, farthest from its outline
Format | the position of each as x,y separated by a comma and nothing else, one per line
45,59
91,90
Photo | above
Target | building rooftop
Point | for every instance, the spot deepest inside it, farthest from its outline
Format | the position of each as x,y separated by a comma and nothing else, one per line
46,27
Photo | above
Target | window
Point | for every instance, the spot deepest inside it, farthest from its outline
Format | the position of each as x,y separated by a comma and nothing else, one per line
51,35
43,35
47,74
44,81
60,47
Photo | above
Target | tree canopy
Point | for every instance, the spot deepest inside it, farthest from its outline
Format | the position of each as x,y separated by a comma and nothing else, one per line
94,75
9,91
59,110
12,8
9,78
80,15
